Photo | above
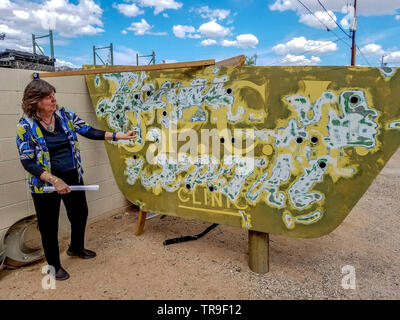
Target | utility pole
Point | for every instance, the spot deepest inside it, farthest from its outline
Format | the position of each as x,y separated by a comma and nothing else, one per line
353,28
383,64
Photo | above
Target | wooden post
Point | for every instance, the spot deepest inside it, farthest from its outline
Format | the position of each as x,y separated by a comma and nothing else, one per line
140,223
258,251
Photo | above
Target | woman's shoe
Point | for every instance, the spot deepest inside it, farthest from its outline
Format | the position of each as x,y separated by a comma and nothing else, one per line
84,254
62,274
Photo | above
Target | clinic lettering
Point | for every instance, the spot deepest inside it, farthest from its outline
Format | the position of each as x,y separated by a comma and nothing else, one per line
202,197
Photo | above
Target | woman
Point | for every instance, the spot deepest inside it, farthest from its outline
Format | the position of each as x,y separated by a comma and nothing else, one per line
49,151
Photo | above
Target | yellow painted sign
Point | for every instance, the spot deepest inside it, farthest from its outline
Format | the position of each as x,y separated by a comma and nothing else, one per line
283,150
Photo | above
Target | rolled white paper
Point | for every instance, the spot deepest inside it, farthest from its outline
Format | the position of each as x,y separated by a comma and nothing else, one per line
93,187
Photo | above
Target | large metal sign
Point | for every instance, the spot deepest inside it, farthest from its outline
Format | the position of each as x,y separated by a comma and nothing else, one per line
282,150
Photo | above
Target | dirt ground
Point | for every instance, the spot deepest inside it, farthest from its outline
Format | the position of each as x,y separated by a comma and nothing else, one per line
216,266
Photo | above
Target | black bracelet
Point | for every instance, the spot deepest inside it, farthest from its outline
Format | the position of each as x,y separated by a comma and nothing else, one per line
114,137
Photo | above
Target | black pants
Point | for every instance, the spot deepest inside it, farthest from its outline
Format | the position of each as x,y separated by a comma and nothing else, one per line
47,206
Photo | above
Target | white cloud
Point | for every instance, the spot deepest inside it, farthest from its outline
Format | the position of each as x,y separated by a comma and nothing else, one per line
392,58
125,56
397,17
62,63
376,50
19,19
365,7
160,5
21,14
228,43
346,21
320,16
282,6
12,39
300,60
372,50
213,30
208,42
212,14
301,44
129,10
141,28
4,4
180,31
61,42
242,41
8,31
16,45
194,36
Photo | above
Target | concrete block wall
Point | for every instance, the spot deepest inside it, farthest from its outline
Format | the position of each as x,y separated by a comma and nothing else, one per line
15,199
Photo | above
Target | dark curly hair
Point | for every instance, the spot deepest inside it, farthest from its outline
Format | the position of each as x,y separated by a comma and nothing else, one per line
35,91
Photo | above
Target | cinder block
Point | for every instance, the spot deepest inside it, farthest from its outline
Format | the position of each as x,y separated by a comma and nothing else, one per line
114,186
8,149
31,207
68,100
11,171
62,208
119,201
101,156
10,103
88,158
64,226
87,144
19,103
84,104
90,118
27,188
100,206
8,79
24,77
96,174
12,193
9,215
69,84
105,190
8,125
109,171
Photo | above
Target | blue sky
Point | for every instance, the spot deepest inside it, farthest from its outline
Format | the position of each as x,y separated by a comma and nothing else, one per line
280,32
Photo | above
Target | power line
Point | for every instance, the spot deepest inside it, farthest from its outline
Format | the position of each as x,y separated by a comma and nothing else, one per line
327,28
334,19
308,51
324,45
363,56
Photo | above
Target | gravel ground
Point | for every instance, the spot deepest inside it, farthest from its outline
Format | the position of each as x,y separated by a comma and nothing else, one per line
215,267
